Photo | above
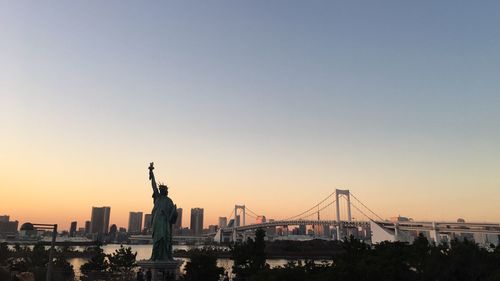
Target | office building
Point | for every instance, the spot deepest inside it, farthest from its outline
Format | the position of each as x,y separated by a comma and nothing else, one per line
197,221
212,228
72,229
147,221
99,221
222,222
302,229
260,219
7,227
178,222
135,222
87,227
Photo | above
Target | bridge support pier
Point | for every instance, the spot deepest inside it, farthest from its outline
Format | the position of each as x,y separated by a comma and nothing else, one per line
396,232
242,217
347,194
434,233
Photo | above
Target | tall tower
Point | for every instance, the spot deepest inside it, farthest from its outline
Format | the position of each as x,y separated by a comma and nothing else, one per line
242,215
178,223
197,221
72,229
99,222
147,221
344,193
135,222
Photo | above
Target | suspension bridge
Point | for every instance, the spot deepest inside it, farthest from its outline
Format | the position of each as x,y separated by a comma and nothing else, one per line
341,214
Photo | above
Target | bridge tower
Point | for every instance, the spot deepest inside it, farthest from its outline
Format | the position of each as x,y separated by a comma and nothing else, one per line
342,193
243,215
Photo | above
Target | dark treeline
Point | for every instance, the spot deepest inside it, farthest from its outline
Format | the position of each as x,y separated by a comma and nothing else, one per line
24,263
461,260
348,260
354,260
24,259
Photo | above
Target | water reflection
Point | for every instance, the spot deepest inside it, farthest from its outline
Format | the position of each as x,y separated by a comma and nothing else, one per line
144,252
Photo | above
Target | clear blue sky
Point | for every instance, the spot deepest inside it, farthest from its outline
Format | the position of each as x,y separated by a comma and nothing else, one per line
397,100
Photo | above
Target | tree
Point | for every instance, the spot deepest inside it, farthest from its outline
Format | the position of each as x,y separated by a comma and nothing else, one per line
39,256
249,257
17,248
5,252
97,265
122,260
63,270
202,266
258,260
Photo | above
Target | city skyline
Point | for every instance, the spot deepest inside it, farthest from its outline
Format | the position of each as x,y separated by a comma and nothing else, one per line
247,103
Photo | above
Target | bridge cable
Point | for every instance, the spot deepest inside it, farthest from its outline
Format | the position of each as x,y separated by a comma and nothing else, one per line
366,206
231,214
361,212
305,212
252,216
248,209
319,210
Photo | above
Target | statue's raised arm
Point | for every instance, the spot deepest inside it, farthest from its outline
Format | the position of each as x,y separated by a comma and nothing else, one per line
152,179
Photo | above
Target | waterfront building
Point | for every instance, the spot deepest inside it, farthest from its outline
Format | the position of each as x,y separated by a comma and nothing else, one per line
212,228
178,223
196,221
135,222
8,228
99,221
72,229
222,222
260,219
87,227
147,222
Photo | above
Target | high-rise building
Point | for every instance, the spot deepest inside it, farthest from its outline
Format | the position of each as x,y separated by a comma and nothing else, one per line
260,219
271,231
113,230
178,223
87,227
8,227
212,228
72,229
80,231
197,221
302,229
222,222
147,221
99,221
135,222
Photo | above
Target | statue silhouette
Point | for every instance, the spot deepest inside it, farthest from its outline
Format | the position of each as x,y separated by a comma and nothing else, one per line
163,216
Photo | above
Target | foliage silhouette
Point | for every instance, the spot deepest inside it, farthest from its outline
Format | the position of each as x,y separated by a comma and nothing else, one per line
391,261
202,266
249,257
122,260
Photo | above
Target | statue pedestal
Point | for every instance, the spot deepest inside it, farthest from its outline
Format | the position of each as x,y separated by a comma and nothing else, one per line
162,270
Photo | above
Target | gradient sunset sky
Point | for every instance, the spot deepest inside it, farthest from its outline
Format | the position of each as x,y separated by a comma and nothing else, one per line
272,104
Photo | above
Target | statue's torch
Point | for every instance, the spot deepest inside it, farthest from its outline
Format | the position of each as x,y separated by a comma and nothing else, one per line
151,168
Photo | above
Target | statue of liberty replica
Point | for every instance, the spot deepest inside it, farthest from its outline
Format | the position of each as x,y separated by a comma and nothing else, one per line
164,215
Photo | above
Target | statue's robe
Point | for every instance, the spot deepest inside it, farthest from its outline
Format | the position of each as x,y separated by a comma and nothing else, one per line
164,214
